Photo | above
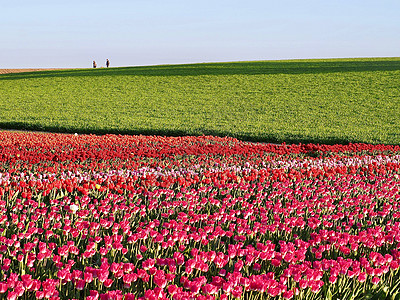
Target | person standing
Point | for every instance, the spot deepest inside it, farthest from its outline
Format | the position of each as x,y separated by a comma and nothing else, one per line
107,63
94,64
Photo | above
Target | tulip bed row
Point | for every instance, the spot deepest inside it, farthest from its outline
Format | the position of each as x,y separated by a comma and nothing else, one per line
135,217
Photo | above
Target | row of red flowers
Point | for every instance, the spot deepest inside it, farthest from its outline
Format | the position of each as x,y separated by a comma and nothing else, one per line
128,217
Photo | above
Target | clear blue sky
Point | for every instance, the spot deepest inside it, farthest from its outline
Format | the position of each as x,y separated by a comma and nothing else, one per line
55,33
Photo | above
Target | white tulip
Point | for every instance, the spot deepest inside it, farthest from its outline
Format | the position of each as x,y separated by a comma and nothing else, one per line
73,207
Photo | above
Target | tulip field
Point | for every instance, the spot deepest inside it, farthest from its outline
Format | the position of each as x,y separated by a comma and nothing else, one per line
142,217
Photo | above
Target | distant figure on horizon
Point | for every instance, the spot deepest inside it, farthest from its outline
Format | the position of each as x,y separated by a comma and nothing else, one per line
107,63
94,65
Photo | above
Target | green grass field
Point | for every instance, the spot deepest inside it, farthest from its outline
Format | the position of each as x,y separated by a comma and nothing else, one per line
320,101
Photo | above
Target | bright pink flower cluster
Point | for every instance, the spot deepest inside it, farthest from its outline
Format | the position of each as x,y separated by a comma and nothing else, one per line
134,217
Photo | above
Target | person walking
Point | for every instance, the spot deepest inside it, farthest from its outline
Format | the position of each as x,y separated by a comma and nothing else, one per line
94,64
107,63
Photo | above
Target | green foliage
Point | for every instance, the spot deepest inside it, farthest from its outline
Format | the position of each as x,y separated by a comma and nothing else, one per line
320,101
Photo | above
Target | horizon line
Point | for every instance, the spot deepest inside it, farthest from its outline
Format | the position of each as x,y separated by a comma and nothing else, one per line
204,62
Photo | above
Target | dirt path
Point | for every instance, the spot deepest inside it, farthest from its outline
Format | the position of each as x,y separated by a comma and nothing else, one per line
8,71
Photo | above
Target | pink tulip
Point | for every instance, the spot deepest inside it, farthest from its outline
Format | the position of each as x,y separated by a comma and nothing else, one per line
80,284
102,275
375,280
108,282
12,295
288,294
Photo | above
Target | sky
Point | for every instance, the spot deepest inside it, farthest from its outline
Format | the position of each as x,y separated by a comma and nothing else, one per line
73,33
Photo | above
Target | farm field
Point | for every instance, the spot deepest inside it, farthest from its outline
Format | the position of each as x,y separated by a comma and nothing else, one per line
320,101
145,217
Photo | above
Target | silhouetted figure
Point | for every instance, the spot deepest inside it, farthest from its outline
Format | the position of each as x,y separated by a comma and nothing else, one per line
107,63
94,65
